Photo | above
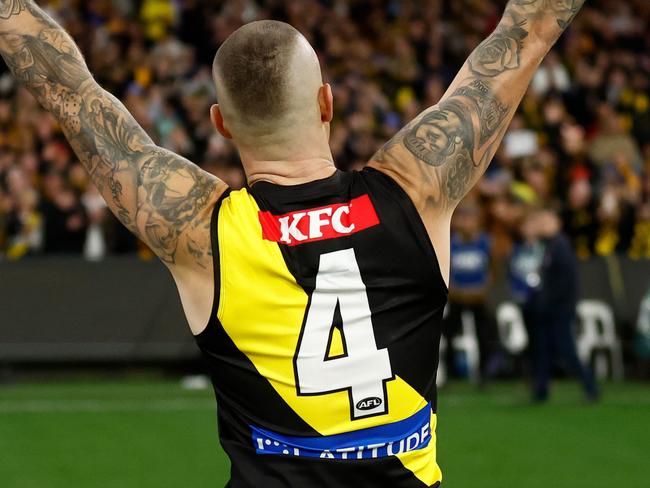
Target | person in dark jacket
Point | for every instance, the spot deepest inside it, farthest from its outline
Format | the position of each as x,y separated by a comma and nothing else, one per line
554,304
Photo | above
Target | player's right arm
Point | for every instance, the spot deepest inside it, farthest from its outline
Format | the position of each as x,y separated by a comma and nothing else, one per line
161,197
441,155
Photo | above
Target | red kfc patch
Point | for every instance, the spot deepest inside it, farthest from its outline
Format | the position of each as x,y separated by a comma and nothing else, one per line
317,224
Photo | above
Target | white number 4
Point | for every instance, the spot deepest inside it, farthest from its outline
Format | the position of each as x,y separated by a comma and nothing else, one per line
364,370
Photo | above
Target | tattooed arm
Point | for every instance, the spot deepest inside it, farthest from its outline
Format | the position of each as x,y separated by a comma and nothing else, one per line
161,197
443,153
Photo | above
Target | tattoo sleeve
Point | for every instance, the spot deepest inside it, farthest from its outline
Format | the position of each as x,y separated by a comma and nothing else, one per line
156,194
9,8
449,146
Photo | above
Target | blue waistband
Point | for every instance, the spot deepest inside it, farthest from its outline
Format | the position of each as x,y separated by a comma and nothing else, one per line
407,435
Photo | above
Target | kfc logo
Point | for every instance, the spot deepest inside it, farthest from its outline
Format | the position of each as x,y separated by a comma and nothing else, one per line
318,224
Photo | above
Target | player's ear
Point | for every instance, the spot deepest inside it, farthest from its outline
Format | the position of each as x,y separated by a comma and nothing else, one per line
326,103
217,120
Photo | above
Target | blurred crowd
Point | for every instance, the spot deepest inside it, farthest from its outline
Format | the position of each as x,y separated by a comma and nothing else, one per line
580,142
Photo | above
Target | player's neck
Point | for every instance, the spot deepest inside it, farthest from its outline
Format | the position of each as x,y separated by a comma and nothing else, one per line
291,160
287,173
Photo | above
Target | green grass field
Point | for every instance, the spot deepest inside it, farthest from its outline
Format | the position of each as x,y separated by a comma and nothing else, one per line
151,434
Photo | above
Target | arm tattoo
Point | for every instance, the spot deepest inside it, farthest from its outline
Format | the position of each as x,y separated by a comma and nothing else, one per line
155,193
9,8
179,202
563,10
449,127
455,138
447,137
454,141
491,112
499,52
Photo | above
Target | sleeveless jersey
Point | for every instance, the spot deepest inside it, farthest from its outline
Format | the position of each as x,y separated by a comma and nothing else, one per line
323,340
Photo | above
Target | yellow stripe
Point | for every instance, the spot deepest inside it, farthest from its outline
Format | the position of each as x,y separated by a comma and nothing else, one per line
262,308
422,463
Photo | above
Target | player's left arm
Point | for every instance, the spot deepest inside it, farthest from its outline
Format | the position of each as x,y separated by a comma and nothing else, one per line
161,197
441,155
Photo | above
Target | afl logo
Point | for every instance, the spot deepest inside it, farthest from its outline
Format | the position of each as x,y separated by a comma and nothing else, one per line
369,403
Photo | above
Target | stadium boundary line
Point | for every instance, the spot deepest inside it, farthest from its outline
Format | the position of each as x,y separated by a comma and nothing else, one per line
94,406
179,405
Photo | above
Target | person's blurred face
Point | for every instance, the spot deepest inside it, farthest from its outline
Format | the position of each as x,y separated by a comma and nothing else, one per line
609,208
467,221
643,215
579,194
554,112
29,162
5,111
537,180
16,181
612,121
529,228
540,224
549,224
52,185
28,201
65,200
573,138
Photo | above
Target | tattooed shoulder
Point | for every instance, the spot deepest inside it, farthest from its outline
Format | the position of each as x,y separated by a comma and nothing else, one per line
161,197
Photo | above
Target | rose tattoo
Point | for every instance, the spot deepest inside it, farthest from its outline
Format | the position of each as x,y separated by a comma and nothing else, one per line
499,53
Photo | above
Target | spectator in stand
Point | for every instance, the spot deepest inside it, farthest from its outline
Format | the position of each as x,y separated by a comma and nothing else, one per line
469,283
613,142
65,219
586,117
25,225
615,221
579,217
640,247
524,268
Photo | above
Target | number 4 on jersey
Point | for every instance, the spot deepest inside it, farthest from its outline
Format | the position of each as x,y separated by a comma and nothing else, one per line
364,370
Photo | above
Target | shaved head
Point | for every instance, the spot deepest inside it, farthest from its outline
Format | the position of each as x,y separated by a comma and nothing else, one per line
268,80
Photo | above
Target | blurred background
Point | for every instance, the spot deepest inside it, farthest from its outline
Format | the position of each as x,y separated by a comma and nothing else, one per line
98,371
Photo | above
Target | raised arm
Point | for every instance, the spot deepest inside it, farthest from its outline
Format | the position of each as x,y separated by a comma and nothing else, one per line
161,197
441,155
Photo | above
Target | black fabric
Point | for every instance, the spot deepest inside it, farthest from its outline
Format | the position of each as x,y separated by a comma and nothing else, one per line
551,323
557,295
407,295
59,236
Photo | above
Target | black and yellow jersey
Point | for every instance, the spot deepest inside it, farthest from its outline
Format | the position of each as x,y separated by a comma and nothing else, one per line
324,335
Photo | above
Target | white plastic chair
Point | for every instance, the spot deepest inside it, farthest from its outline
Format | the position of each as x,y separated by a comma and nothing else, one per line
468,343
597,333
643,322
512,329
441,377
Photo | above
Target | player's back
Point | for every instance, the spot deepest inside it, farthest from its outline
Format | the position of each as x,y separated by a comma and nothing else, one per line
323,341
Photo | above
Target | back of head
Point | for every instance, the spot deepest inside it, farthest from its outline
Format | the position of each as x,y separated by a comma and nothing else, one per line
267,77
